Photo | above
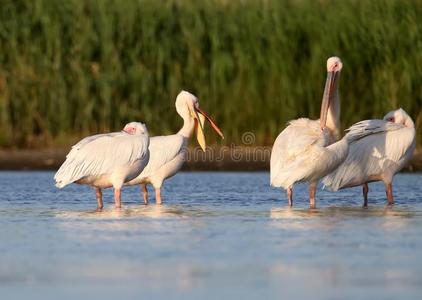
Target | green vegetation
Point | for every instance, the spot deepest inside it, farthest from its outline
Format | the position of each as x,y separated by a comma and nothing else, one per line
72,68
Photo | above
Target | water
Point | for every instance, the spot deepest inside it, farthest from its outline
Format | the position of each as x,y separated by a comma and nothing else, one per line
218,235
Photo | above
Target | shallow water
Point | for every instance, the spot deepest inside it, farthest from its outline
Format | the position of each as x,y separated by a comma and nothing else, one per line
218,235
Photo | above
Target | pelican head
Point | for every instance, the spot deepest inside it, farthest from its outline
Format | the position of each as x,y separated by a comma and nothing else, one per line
187,106
334,66
399,116
135,128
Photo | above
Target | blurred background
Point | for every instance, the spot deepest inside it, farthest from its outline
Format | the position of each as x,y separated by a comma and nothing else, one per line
74,68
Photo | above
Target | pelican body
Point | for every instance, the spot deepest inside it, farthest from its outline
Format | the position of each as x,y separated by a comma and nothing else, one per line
106,160
380,149
306,150
168,153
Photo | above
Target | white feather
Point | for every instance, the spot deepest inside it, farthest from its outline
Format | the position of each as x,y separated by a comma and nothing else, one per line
300,153
378,150
102,154
167,155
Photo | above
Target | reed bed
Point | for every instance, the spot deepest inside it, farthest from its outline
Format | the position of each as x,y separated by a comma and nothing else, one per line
72,68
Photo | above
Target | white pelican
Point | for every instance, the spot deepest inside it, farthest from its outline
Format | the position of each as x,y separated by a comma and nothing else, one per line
106,160
303,151
168,153
380,148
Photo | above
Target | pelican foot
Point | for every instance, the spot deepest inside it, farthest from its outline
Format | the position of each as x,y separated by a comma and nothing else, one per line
290,196
117,198
312,194
158,196
145,194
389,206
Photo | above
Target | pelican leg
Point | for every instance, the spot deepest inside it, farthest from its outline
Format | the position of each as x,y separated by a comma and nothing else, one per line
312,193
389,193
290,196
145,193
158,195
365,195
117,197
99,195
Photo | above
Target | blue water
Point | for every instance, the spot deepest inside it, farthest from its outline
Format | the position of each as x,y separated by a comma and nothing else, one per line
218,235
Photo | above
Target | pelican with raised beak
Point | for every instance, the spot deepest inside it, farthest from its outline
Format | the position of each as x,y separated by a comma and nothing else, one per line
306,150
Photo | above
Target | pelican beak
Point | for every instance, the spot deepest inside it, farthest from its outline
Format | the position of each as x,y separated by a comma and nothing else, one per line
200,116
330,86
213,125
199,129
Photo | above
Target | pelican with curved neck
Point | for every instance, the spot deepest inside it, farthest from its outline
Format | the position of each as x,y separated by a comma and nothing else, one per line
168,153
306,150
187,106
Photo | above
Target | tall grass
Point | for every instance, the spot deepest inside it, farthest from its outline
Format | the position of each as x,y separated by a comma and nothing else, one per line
72,68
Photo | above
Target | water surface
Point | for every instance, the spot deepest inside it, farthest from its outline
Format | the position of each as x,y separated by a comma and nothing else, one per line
218,235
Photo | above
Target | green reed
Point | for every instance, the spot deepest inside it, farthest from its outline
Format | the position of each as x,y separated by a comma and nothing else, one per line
72,68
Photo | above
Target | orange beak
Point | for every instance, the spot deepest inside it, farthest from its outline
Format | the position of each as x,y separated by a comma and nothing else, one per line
330,86
213,125
200,116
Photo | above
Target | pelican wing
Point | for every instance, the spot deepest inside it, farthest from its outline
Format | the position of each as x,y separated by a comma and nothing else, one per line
162,150
313,163
293,147
378,149
91,138
370,127
101,154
